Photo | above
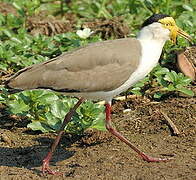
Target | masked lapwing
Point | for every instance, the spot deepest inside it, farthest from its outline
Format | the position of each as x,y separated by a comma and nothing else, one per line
101,70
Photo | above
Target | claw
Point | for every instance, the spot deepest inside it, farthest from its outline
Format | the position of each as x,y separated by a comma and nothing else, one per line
152,159
45,166
47,170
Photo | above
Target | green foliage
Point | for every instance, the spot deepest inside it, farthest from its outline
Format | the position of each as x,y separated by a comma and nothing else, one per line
135,11
26,8
137,89
47,110
19,49
171,81
166,81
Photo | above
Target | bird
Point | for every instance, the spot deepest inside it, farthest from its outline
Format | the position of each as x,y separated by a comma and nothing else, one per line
101,71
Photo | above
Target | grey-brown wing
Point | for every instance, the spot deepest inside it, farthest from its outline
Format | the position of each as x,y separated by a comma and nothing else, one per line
101,66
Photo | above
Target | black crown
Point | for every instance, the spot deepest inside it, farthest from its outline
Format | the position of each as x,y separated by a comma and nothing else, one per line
154,18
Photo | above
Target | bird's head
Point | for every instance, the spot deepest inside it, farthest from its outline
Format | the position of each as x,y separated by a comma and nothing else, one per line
164,25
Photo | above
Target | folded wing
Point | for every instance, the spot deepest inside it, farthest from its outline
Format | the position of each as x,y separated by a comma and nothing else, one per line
101,66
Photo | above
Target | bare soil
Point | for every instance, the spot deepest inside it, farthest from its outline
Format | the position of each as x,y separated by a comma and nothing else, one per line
99,155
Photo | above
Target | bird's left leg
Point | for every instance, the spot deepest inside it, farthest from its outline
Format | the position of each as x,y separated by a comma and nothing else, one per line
46,161
110,128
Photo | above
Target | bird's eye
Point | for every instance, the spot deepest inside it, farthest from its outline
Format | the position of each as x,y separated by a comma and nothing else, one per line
167,24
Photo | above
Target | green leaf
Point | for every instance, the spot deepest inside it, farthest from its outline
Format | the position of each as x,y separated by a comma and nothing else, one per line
47,97
18,107
186,91
170,76
187,7
136,91
16,6
16,40
171,87
36,125
99,122
7,32
57,109
158,95
161,71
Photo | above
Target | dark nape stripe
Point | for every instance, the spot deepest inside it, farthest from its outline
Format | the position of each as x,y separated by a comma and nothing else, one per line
13,91
154,18
59,90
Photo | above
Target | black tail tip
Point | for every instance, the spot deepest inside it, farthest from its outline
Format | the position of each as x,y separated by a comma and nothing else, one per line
8,90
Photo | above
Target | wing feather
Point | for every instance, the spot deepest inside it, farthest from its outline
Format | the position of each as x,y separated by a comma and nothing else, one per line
101,66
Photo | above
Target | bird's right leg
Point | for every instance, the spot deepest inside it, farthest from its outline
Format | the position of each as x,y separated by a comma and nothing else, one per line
112,130
46,160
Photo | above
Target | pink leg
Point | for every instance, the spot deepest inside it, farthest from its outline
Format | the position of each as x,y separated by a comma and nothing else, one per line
46,161
122,138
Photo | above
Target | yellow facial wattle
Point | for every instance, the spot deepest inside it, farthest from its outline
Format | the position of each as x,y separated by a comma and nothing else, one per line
173,33
169,23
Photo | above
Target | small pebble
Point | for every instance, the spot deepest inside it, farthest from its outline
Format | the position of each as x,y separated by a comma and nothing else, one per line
126,110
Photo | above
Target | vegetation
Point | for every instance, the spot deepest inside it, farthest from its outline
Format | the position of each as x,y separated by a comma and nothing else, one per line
18,49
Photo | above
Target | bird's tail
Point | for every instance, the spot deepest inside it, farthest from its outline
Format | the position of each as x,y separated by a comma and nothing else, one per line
5,88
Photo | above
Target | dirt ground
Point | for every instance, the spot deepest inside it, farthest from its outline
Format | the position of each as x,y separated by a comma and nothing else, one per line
98,155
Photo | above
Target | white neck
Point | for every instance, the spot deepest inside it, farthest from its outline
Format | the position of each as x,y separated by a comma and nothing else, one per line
152,44
149,37
153,32
151,52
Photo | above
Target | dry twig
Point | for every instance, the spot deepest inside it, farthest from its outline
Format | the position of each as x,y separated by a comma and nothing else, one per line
175,130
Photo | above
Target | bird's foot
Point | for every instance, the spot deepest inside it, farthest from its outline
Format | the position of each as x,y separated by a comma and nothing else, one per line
153,159
45,166
47,170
